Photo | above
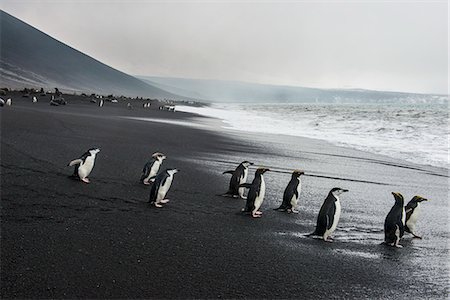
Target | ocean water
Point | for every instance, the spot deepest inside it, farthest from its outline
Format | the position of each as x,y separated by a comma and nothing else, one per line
418,133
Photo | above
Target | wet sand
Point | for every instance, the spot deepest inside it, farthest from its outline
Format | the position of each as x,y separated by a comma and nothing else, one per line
65,239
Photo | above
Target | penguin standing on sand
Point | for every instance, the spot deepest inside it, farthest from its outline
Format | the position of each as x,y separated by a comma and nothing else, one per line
292,193
8,102
35,100
239,176
394,224
412,212
100,104
329,215
84,165
256,193
151,168
160,187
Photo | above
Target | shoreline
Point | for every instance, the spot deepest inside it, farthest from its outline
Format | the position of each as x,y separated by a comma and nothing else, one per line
199,245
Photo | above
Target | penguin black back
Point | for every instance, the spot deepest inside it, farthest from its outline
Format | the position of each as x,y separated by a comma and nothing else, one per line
394,227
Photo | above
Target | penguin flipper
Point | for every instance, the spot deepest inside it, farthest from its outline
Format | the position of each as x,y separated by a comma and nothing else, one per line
245,185
229,172
75,162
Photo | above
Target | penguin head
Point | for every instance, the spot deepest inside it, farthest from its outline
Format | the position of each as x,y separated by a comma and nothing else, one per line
159,156
297,173
94,151
418,199
262,170
172,171
246,163
337,191
398,198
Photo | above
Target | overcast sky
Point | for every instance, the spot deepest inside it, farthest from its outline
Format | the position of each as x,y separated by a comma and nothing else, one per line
384,45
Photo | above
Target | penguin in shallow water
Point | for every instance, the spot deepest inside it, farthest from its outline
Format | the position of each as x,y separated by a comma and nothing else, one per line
292,193
256,193
160,187
151,168
84,164
412,212
329,215
394,224
239,176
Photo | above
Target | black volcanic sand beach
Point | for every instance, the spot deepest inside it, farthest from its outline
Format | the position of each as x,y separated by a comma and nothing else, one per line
62,238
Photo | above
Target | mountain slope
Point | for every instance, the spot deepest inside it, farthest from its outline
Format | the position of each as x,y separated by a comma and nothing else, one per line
31,58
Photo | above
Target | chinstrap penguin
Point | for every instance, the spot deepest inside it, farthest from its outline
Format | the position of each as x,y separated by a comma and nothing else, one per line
292,193
84,165
239,176
412,212
329,215
161,186
256,193
151,168
394,224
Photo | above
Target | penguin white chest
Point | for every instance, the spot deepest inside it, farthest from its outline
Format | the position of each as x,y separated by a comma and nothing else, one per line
403,216
294,200
85,169
262,192
337,215
164,188
243,178
411,223
155,168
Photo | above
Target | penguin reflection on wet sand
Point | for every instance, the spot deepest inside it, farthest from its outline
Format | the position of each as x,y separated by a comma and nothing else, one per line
151,168
256,193
329,215
239,176
412,212
84,165
161,186
292,193
394,224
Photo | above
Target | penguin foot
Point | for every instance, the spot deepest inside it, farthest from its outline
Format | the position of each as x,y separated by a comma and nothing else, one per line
86,180
164,201
258,212
146,182
416,236
256,216
294,211
398,246
158,205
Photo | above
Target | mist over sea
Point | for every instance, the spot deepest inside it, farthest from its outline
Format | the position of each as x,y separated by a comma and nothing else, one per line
415,132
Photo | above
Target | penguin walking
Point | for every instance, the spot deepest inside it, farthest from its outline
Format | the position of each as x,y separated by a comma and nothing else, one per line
35,100
394,224
329,215
412,212
84,165
292,193
151,168
100,103
161,186
256,193
238,176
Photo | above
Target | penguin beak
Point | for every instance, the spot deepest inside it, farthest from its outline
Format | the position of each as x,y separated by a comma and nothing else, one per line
344,190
